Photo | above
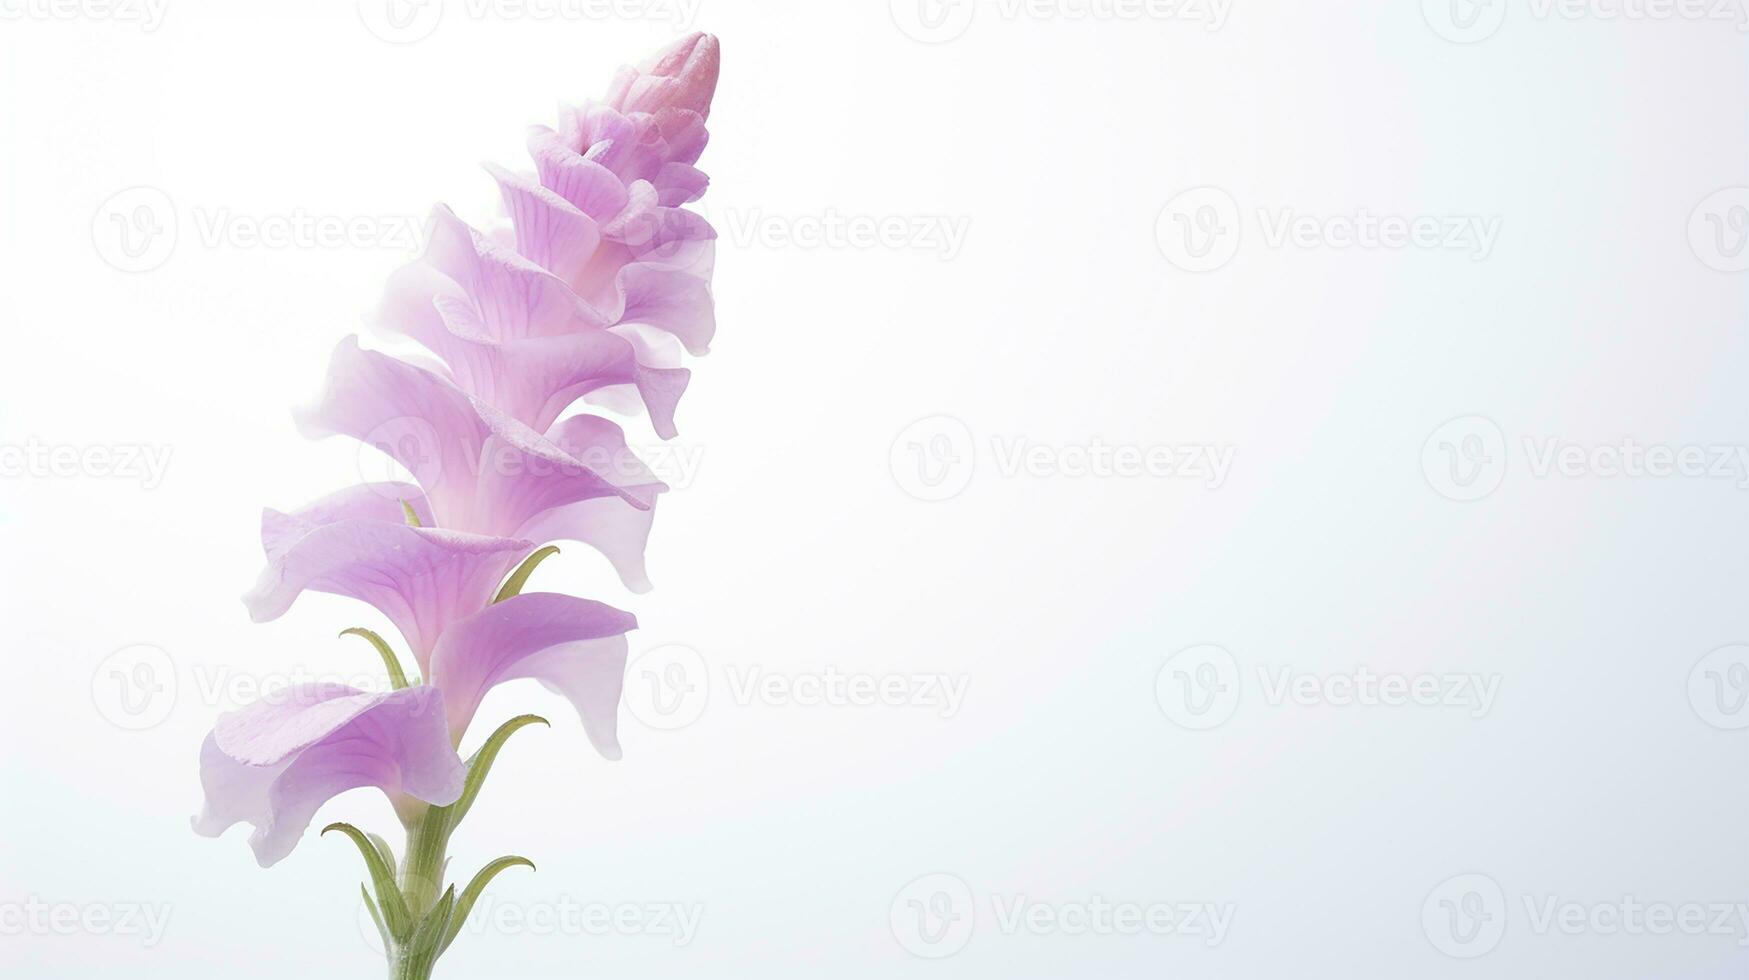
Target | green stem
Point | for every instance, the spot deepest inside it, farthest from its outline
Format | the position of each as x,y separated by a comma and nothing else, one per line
421,882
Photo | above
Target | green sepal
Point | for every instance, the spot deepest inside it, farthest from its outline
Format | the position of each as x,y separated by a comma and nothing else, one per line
382,875
475,889
428,938
412,515
370,905
397,677
518,579
384,849
481,763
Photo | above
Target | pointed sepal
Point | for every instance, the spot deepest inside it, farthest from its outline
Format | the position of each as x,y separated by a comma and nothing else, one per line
382,875
471,894
481,763
397,676
518,579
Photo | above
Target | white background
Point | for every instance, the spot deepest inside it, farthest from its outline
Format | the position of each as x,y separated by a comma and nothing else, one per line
1608,768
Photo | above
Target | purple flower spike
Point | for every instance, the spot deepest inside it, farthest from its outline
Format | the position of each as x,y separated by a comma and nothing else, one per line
596,295
273,764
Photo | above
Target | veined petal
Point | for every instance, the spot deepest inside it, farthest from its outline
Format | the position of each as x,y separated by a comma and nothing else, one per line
483,471
533,380
551,232
422,422
526,474
421,578
587,185
365,502
575,646
609,525
273,764
514,296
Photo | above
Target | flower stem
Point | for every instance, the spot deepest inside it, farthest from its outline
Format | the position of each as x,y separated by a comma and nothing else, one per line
421,882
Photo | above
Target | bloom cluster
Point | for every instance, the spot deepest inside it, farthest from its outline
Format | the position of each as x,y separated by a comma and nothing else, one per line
593,293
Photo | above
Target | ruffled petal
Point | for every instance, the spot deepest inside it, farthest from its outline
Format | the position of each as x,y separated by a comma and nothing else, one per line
422,579
428,426
273,764
514,297
609,525
550,231
575,646
483,471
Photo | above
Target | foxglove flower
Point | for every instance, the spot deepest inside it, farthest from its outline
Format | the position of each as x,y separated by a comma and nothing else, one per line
598,290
